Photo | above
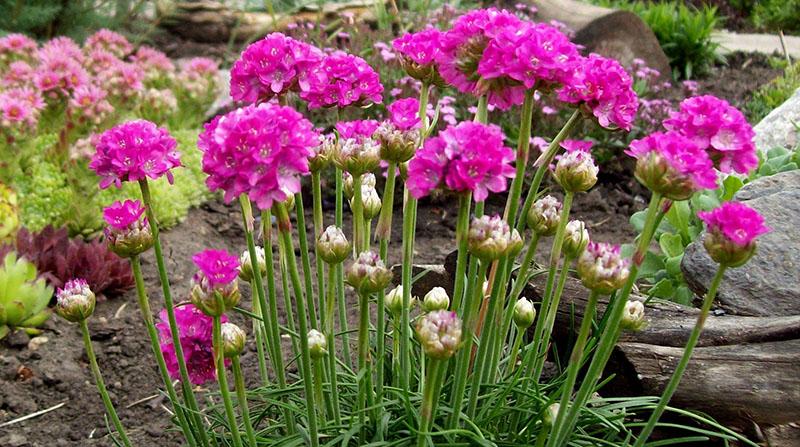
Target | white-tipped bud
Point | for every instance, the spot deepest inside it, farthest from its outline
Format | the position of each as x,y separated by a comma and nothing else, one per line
371,201
439,333
576,239
75,301
233,340
368,274
332,245
357,155
524,313
576,171
544,216
491,238
394,300
550,415
602,268
436,299
633,317
246,266
317,344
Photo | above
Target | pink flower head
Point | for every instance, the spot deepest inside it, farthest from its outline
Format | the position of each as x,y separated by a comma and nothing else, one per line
356,128
687,169
467,157
404,113
201,67
219,267
721,129
576,145
15,47
462,49
341,80
531,54
110,41
62,46
123,215
605,88
737,222
59,73
88,104
258,150
16,115
195,335
121,80
18,74
272,66
154,62
420,49
100,60
134,151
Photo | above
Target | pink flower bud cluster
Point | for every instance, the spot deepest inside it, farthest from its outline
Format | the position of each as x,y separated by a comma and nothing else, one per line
719,128
110,41
134,151
195,335
469,157
242,155
737,222
16,47
604,88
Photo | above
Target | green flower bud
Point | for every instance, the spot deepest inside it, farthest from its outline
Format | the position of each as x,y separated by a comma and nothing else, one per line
322,153
317,344
368,274
332,245
633,317
491,238
396,145
246,267
214,300
601,268
658,175
357,155
550,415
575,171
524,313
439,333
544,216
575,239
75,301
367,180
726,252
233,340
371,201
436,299
394,300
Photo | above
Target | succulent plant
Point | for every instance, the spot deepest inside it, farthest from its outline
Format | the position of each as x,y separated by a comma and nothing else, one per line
59,259
23,298
9,213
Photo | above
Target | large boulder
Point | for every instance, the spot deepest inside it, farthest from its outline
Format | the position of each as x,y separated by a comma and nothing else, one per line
779,128
769,284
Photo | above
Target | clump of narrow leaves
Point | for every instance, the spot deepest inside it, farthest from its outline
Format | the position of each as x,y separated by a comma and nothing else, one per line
58,258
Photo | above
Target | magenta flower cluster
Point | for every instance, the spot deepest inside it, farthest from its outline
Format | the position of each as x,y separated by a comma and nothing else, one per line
469,157
404,114
685,158
218,267
421,48
356,128
719,128
341,80
134,151
737,222
124,215
258,150
195,334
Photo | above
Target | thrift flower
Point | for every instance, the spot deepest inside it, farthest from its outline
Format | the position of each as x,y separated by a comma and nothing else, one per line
341,80
75,300
128,234
732,231
134,151
214,286
719,128
544,216
195,335
242,155
368,274
672,165
332,245
576,170
356,128
435,299
404,114
469,157
601,268
633,316
524,313
491,238
418,53
439,333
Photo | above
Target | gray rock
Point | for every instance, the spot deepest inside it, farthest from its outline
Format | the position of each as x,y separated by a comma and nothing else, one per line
769,284
778,129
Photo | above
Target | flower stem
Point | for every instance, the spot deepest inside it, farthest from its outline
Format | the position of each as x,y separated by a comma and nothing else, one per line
327,323
284,227
319,377
672,386
357,206
316,194
152,332
383,230
338,219
609,336
552,311
523,149
364,369
433,384
302,237
409,224
241,397
512,355
101,386
462,230
186,387
219,361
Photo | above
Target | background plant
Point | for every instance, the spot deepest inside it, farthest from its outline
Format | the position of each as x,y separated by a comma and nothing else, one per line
777,15
23,297
770,96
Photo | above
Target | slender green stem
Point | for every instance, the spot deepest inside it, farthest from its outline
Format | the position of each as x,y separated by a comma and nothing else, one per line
287,298
576,357
186,387
319,377
338,219
269,313
543,165
552,311
357,205
609,337
327,323
284,227
396,350
675,380
302,236
519,285
241,397
462,230
101,386
482,114
383,230
219,361
364,369
319,227
523,149
433,382
152,333
512,355
409,224
470,318
380,332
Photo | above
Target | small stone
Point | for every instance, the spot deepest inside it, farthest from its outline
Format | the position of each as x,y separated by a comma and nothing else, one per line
778,128
17,340
36,342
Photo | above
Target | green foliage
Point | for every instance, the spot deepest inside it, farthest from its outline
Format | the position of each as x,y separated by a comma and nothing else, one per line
773,94
23,298
684,33
45,195
777,15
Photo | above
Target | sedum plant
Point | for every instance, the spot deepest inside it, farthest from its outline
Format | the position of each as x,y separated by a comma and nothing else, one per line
9,222
23,297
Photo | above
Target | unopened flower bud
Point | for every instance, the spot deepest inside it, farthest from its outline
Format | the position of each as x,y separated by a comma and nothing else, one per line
435,299
550,415
439,333
394,300
724,251
288,202
246,266
491,238
524,313
75,301
397,145
368,274
128,233
576,239
357,155
371,201
544,216
633,316
576,171
317,344
233,340
367,180
602,268
332,245
322,153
